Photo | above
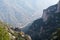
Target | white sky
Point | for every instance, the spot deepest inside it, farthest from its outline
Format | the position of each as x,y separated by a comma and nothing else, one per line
30,8
35,7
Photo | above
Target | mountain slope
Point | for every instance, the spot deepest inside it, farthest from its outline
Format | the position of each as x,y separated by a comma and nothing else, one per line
12,14
42,29
7,33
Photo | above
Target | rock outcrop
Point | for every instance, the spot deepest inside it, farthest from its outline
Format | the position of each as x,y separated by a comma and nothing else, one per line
42,28
7,33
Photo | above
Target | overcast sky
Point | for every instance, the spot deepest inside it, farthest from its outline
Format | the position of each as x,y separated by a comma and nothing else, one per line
32,7
35,7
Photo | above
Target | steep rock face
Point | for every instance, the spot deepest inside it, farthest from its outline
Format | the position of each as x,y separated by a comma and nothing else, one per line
42,28
33,32
50,10
58,9
47,12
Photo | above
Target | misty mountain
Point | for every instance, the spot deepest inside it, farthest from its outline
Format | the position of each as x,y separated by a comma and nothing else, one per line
13,15
21,12
41,29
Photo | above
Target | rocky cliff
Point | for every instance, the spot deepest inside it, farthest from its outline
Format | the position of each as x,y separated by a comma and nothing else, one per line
42,28
50,10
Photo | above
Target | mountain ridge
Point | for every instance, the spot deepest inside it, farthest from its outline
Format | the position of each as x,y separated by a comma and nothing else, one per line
42,28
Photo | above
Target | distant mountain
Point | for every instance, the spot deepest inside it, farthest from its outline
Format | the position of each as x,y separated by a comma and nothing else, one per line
20,13
42,28
13,15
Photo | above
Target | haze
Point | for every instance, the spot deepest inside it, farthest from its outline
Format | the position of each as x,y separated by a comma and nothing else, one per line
34,8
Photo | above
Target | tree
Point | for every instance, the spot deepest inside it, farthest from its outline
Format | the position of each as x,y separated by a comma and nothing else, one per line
55,35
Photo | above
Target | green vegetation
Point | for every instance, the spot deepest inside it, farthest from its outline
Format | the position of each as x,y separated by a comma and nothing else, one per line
6,33
56,35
